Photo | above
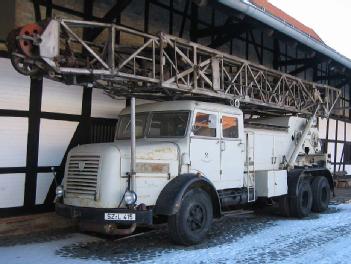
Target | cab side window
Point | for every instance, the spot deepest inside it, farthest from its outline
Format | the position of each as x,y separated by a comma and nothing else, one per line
230,127
205,125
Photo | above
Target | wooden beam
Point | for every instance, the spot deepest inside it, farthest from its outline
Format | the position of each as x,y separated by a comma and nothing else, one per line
184,16
298,61
208,31
236,30
113,13
330,77
88,14
342,83
311,64
193,21
258,53
48,8
35,98
276,53
36,6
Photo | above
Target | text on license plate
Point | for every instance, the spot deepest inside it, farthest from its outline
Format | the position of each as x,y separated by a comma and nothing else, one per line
119,216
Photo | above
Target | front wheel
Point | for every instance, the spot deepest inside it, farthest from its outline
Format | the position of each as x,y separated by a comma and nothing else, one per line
321,194
191,223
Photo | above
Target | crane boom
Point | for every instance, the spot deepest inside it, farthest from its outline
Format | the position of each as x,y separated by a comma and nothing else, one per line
162,67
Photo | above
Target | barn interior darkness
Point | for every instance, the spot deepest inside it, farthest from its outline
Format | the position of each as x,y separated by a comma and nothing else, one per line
207,22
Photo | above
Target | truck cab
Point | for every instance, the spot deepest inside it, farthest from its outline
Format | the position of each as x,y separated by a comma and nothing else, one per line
193,160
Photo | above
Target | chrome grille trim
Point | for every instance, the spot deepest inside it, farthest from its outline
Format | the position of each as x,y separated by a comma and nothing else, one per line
82,176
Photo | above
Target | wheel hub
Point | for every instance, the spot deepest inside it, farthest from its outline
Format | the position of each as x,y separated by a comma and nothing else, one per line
196,218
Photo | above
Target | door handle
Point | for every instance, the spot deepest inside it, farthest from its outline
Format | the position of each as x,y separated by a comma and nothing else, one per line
222,146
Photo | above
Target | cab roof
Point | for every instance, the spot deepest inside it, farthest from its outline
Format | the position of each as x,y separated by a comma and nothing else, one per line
183,105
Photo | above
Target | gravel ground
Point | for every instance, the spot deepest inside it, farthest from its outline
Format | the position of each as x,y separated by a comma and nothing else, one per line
251,238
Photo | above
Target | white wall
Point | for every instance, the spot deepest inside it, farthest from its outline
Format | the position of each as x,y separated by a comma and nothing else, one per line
14,88
11,190
55,135
333,147
59,98
13,141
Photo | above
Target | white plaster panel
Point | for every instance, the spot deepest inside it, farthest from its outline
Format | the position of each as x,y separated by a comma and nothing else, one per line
330,150
332,129
44,181
348,132
11,190
14,87
341,130
105,106
322,128
60,98
13,141
339,149
53,141
348,169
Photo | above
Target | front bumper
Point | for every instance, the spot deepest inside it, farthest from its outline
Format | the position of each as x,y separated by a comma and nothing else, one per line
97,215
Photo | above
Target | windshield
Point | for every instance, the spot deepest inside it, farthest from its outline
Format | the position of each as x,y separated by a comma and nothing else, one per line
123,131
168,124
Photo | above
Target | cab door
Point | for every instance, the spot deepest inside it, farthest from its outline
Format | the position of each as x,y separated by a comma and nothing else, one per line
205,145
232,148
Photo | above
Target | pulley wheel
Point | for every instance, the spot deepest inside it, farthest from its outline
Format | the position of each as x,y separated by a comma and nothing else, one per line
23,65
30,31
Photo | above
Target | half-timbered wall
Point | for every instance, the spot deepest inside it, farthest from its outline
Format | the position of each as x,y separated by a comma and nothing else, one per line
41,120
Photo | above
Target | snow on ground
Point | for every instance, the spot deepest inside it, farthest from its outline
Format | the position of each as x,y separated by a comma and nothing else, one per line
326,239
323,238
42,253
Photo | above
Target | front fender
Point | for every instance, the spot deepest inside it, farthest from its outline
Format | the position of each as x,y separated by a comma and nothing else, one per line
169,200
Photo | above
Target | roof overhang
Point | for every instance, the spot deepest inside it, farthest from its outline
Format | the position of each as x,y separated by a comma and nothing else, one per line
249,9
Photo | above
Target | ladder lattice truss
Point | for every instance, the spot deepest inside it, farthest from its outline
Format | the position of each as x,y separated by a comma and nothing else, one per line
167,67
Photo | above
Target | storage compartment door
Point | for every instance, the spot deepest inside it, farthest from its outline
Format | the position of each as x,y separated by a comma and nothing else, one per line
263,151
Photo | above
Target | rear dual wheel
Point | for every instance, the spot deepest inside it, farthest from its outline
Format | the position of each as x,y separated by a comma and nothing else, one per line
311,196
301,205
321,194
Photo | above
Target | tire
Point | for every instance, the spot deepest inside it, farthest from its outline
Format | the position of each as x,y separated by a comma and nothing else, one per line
301,205
190,225
321,194
284,207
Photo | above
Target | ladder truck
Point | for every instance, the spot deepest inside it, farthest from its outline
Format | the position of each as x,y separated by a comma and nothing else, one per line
222,133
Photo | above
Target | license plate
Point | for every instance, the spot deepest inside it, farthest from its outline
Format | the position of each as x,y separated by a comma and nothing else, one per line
119,217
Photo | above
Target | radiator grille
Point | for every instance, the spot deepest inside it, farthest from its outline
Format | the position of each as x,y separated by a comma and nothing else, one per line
82,175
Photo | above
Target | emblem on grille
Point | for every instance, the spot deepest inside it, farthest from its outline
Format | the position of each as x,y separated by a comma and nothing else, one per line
81,165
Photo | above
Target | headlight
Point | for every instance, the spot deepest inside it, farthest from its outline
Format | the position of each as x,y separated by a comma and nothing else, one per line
130,197
59,191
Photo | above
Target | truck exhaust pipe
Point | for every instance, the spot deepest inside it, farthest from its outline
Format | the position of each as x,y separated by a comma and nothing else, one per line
108,229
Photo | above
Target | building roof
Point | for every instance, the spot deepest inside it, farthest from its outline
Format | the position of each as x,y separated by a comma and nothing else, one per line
277,12
247,7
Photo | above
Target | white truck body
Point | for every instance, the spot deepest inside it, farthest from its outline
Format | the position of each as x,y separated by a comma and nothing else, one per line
254,157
